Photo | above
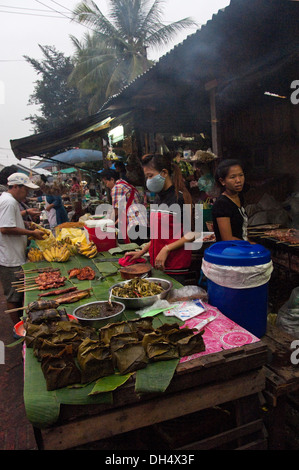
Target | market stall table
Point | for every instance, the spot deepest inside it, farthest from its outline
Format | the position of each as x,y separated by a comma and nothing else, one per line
229,371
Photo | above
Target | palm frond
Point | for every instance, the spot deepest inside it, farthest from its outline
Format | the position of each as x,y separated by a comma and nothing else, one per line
166,33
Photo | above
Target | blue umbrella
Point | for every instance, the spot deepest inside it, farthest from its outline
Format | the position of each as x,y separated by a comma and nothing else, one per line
74,156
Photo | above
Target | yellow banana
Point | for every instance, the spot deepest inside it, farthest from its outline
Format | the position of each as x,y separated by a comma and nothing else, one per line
47,256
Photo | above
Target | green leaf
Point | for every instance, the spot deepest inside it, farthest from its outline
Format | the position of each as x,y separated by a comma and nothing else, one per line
156,377
110,383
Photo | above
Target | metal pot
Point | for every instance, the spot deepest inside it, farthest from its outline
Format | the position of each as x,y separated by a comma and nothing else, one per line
98,322
141,302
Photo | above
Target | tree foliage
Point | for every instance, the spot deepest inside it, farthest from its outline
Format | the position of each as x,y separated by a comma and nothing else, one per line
115,51
59,102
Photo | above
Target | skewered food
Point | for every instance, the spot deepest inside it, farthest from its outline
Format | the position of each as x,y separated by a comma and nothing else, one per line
39,316
82,273
288,236
49,280
137,288
41,305
58,292
73,297
87,249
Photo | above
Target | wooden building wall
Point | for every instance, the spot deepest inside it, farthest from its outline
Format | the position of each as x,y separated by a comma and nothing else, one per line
265,136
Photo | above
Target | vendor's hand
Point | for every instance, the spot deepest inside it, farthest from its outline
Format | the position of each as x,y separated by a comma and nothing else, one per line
38,234
134,254
33,212
161,259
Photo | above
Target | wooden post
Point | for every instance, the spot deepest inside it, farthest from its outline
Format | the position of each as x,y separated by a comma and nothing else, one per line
212,87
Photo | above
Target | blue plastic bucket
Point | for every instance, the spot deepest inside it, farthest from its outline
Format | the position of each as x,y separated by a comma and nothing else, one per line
237,278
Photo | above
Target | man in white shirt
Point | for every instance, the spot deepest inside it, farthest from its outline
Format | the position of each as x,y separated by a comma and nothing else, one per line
13,237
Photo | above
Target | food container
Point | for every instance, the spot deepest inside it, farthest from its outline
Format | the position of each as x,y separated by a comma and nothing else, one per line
237,276
135,270
98,322
102,233
141,302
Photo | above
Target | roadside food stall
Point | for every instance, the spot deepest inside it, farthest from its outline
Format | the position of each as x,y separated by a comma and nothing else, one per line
80,389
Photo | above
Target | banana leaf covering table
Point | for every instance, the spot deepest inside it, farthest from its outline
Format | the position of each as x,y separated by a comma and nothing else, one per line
230,370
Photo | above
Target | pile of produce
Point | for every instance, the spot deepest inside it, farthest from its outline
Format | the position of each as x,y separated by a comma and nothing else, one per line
57,253
35,255
87,249
137,288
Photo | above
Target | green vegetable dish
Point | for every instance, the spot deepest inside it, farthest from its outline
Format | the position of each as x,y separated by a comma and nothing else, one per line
137,288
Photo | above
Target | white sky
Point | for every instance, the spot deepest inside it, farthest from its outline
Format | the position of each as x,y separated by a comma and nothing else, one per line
22,30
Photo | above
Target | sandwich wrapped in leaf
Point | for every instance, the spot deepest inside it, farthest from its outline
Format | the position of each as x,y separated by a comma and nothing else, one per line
60,371
130,357
94,359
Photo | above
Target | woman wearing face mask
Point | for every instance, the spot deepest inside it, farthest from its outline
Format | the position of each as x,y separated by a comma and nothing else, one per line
171,207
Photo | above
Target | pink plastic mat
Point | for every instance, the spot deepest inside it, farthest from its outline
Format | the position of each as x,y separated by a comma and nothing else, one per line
221,333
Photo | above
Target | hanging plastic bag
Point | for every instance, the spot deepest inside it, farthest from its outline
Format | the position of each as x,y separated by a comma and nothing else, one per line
288,314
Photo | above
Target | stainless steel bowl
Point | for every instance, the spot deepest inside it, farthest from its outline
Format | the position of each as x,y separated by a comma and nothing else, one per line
98,322
141,302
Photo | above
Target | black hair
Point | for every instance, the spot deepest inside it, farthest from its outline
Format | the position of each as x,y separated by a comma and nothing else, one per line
164,162
223,169
120,165
109,174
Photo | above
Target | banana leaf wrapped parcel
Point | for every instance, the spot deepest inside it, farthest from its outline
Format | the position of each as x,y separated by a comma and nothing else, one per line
60,371
188,341
158,348
44,347
95,360
130,357
112,329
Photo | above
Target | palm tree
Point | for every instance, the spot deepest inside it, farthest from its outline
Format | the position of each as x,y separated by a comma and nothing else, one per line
115,51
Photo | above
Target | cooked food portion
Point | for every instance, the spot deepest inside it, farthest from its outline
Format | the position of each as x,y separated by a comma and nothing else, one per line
82,273
73,296
42,305
58,292
99,310
73,272
49,280
137,288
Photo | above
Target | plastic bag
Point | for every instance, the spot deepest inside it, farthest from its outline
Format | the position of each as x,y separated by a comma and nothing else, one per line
187,293
288,314
159,305
238,277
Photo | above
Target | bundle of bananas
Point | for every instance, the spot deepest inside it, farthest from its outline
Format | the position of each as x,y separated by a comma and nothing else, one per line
35,255
34,226
87,249
57,253
68,243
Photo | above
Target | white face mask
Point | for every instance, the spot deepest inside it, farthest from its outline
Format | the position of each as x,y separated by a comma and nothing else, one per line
155,184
